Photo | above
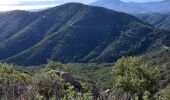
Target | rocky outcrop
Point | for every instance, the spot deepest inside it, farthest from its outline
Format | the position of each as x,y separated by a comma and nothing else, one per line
69,78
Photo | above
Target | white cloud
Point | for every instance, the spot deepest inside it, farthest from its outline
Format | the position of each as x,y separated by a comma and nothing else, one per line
19,1
6,5
7,8
6,2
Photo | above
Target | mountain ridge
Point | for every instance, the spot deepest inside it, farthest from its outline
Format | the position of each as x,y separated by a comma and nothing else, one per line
158,20
134,7
74,32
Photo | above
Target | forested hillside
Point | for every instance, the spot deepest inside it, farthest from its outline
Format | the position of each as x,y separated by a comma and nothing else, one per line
80,52
157,19
76,33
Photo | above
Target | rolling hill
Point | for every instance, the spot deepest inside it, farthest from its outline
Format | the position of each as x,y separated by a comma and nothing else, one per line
159,20
133,7
76,33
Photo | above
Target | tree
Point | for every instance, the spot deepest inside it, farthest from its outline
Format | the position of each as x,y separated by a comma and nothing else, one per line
133,76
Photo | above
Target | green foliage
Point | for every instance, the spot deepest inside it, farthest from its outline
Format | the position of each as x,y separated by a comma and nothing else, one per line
10,78
44,84
74,33
146,95
133,76
48,85
160,59
164,94
72,95
130,74
92,73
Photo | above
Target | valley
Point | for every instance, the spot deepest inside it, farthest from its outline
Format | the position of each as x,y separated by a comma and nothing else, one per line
107,50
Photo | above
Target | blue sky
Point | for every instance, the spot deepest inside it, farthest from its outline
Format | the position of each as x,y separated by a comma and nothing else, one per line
6,5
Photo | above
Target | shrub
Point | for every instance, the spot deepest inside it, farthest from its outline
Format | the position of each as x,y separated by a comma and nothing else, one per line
133,76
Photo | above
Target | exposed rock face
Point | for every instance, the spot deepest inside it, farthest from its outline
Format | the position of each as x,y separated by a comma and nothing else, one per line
69,78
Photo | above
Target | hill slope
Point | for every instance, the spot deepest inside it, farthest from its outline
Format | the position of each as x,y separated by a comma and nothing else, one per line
156,19
132,7
77,33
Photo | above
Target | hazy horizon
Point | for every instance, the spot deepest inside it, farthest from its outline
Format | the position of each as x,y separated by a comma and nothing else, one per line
40,4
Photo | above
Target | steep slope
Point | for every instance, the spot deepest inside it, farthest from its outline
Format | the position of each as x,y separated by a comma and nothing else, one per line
132,7
46,23
14,21
80,33
156,19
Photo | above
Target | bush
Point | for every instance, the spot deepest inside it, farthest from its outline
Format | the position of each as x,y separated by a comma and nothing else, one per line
164,94
133,76
12,83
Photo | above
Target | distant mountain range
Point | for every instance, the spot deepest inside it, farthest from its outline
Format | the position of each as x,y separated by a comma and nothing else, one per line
159,20
132,7
75,32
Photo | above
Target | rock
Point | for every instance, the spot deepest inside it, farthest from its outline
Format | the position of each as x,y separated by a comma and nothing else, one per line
69,78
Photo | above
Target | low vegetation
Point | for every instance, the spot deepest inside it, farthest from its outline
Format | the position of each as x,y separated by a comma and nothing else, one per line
136,78
44,85
128,78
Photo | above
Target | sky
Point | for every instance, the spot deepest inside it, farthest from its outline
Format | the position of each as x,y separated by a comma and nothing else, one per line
6,5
